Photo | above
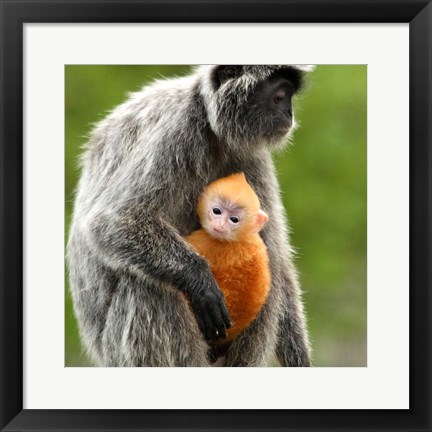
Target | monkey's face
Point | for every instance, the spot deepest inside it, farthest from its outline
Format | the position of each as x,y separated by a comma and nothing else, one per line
252,105
223,219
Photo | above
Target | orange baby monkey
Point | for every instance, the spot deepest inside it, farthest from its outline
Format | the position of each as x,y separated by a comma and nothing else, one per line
231,218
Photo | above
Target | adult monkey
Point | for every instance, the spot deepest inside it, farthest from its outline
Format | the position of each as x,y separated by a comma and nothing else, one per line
145,165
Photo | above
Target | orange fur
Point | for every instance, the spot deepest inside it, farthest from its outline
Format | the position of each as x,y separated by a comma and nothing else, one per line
240,267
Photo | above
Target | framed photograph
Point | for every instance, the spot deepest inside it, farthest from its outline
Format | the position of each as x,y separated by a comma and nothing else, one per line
323,182
355,183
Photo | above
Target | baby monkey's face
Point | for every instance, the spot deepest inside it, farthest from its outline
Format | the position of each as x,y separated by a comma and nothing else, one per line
224,220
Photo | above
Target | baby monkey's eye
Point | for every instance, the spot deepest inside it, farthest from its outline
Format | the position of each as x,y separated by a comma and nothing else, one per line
234,219
217,211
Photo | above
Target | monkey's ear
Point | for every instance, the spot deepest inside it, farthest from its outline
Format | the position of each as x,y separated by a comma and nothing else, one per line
261,219
225,73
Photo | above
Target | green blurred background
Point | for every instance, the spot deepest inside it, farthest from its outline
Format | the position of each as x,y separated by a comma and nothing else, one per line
323,181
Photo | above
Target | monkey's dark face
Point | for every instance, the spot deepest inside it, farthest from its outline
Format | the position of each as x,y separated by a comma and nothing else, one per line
272,103
252,105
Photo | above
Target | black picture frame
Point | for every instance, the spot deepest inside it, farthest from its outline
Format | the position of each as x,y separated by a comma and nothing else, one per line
14,13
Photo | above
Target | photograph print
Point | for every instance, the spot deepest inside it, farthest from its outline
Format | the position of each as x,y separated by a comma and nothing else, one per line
216,215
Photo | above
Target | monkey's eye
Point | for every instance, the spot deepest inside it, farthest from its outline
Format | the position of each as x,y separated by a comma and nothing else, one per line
234,219
217,211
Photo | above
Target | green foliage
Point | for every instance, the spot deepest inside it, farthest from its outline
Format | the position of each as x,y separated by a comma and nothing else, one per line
323,180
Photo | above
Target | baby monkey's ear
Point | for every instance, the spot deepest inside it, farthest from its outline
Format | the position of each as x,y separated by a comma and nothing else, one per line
261,219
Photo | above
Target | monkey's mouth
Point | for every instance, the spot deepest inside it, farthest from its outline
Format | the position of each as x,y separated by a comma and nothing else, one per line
281,129
220,234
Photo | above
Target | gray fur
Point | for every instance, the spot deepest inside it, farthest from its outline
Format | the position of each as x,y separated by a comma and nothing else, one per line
143,170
